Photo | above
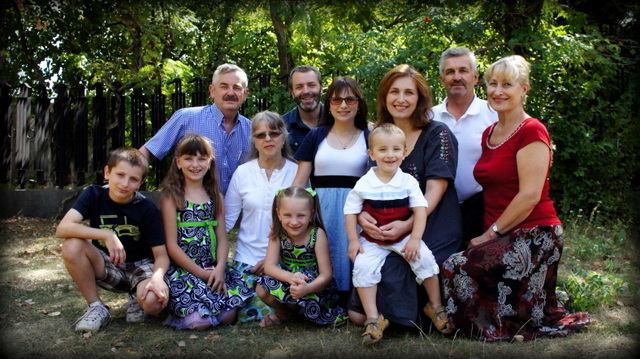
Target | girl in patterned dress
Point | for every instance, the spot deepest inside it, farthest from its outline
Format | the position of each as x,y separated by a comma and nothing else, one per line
299,278
203,291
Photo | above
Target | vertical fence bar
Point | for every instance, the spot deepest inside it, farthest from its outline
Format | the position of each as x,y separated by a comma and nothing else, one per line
264,102
178,97
23,134
80,147
60,131
118,116
5,132
137,118
99,109
158,102
200,94
42,141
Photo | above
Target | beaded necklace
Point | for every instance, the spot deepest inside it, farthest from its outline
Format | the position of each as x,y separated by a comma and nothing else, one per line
490,146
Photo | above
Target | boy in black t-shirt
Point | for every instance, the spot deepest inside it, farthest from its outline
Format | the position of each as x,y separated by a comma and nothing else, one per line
123,247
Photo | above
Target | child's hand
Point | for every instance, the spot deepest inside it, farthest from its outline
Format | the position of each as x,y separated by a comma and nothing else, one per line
298,278
216,280
411,250
299,290
258,269
354,248
117,255
159,288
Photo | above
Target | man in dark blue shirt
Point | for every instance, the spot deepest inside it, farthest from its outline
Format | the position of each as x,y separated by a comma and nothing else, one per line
305,86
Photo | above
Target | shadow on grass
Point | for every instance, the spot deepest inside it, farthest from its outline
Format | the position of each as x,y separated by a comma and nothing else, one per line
39,304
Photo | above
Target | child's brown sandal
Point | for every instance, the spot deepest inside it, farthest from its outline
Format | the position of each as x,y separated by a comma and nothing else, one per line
374,328
439,317
275,319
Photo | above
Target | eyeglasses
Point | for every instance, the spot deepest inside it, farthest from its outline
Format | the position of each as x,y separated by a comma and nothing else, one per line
349,100
271,134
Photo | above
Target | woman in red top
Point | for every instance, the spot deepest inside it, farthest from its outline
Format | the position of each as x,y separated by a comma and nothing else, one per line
504,284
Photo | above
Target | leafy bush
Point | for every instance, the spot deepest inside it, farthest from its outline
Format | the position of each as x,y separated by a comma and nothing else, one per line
584,80
592,290
599,262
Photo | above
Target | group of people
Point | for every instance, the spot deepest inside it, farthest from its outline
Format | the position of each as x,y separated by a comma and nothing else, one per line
340,218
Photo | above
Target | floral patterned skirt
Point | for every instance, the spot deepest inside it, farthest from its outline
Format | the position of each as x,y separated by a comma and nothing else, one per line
254,309
507,287
189,294
319,308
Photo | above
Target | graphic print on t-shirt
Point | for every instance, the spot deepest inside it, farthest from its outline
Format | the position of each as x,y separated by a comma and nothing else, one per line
112,223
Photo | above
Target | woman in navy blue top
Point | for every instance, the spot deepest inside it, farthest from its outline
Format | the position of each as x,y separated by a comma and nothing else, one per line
404,99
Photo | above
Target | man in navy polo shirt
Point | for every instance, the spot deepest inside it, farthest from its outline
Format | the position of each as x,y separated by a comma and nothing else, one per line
305,86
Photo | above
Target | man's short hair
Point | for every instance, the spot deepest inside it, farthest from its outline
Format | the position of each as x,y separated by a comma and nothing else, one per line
131,155
304,68
225,68
459,51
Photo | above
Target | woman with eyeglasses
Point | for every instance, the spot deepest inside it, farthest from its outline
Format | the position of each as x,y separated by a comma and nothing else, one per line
269,167
404,99
334,156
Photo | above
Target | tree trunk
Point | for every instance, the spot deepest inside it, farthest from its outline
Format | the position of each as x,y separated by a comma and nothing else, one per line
282,26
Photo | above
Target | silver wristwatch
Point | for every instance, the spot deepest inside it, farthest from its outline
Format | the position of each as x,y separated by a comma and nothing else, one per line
495,229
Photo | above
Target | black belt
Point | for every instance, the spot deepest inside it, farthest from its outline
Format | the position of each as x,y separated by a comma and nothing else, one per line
335,181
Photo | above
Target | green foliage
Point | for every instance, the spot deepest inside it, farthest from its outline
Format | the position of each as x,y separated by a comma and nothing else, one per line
599,262
577,93
592,290
584,80
590,240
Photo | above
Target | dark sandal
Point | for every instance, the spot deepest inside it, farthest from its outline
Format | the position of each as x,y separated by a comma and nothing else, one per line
439,317
374,328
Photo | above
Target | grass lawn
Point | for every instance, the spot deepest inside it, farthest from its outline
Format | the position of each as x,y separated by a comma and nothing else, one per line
39,303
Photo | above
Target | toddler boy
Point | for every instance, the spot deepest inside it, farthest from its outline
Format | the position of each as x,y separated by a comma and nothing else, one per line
389,194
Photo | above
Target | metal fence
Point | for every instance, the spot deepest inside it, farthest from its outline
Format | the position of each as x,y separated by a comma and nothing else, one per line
63,141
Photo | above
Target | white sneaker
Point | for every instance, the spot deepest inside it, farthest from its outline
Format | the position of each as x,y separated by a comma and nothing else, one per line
135,313
95,318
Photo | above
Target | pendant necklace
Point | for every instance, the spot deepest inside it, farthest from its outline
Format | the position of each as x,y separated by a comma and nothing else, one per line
344,146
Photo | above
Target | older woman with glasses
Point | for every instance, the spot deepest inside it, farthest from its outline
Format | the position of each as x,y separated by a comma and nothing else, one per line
334,156
270,166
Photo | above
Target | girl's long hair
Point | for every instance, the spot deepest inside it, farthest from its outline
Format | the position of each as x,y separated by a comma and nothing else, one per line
423,115
173,184
277,231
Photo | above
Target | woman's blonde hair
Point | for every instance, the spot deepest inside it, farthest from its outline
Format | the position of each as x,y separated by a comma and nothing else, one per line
513,67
